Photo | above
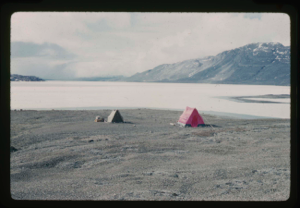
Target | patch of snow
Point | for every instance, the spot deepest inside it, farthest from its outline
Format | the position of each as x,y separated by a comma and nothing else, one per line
274,43
278,58
191,74
261,48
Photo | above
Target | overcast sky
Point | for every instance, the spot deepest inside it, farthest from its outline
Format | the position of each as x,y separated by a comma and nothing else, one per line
66,45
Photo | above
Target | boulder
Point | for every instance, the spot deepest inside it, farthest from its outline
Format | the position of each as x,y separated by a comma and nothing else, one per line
13,149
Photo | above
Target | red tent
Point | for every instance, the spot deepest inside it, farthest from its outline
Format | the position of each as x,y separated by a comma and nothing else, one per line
191,117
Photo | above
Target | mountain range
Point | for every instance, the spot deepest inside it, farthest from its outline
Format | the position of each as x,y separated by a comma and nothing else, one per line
256,63
109,79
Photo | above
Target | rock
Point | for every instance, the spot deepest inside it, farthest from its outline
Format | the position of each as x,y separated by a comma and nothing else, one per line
91,141
175,175
148,173
13,149
77,164
254,171
229,184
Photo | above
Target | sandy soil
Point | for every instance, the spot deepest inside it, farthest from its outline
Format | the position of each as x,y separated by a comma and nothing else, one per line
65,155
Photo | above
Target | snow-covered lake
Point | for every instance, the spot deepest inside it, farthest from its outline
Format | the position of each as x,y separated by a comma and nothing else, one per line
110,95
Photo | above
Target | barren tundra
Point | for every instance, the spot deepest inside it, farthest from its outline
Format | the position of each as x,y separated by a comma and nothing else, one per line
65,155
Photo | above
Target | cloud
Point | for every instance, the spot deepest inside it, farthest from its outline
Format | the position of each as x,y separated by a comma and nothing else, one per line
253,16
47,60
108,43
29,49
43,68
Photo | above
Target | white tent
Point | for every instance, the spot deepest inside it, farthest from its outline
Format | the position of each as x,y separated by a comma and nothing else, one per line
115,117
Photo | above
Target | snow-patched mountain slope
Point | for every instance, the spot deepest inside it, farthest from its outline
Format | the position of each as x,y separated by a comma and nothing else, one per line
257,63
173,72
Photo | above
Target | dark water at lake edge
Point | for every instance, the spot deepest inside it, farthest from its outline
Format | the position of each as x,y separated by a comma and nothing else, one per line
245,99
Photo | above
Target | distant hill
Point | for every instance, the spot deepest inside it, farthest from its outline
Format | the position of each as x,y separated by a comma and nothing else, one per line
256,63
16,77
112,78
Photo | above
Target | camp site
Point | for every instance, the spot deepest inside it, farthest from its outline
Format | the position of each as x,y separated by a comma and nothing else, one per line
135,154
147,105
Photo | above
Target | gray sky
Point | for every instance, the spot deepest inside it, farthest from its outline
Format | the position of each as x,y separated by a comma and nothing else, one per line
84,44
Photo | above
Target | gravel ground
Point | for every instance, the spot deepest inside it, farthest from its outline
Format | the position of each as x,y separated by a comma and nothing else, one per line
65,155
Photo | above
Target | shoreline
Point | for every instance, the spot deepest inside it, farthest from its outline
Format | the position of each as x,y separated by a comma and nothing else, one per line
163,82
215,113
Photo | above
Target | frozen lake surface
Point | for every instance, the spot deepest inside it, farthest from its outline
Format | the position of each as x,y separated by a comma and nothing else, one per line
174,96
